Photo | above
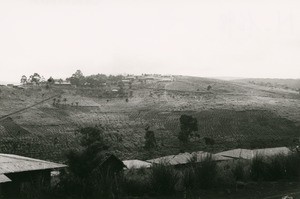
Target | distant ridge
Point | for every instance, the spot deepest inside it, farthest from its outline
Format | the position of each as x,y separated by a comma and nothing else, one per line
228,78
5,83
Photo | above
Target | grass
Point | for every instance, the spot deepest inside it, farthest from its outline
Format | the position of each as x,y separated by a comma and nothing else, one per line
278,167
209,175
163,179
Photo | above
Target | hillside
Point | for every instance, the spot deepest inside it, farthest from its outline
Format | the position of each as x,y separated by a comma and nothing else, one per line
234,114
291,84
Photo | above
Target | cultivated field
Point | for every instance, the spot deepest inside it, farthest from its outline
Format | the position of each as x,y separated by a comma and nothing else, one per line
233,114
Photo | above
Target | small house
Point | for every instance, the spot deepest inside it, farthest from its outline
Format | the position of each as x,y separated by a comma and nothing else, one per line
110,164
19,174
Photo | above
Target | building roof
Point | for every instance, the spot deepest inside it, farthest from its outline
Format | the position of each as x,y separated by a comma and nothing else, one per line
14,163
272,151
249,154
237,154
4,178
136,164
184,158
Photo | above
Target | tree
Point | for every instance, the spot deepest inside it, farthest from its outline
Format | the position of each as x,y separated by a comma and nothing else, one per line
77,78
84,164
150,141
35,78
50,81
209,87
65,101
188,124
23,80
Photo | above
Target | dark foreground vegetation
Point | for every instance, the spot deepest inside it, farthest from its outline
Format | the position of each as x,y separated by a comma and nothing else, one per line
186,182
87,178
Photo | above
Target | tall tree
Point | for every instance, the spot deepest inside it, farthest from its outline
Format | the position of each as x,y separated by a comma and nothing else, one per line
23,80
150,141
188,124
50,81
83,164
77,78
35,78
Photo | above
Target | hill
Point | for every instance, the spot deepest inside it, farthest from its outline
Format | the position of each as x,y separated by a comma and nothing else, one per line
234,114
292,84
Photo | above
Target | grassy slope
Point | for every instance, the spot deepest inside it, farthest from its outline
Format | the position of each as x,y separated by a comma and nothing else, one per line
234,114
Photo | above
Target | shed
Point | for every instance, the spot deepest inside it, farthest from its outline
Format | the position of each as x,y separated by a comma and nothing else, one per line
18,173
110,163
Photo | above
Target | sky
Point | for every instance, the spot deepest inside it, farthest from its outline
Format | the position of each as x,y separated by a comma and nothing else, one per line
208,38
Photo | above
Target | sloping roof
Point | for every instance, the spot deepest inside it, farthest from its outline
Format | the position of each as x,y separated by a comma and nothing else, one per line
272,151
13,163
237,154
4,178
136,164
249,154
184,158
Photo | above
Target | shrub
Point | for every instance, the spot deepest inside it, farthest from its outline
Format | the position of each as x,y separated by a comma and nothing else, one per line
239,172
292,166
136,183
163,179
206,173
276,168
188,178
258,168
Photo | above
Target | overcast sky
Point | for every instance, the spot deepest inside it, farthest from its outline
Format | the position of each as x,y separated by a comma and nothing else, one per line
243,38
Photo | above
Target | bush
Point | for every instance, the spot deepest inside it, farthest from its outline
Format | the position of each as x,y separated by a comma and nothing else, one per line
163,179
292,166
239,172
206,173
136,183
278,167
188,178
258,168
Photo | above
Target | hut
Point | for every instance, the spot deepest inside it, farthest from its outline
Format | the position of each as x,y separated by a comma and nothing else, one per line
19,174
110,164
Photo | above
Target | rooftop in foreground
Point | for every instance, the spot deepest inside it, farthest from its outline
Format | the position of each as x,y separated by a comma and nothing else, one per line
10,163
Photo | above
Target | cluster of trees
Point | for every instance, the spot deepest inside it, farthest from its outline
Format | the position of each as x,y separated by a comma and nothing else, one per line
85,176
78,79
37,79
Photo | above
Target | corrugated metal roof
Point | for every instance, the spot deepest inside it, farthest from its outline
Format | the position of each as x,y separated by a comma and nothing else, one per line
237,154
184,158
13,163
4,178
249,154
136,164
272,151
